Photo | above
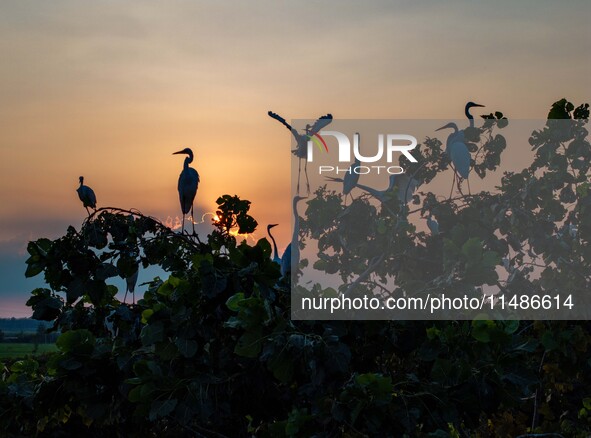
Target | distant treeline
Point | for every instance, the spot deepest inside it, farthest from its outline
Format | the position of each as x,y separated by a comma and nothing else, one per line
25,330
21,324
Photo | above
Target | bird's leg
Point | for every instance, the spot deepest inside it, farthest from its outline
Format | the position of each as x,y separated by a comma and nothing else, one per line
125,296
183,225
299,173
452,186
193,219
469,191
307,180
87,210
460,179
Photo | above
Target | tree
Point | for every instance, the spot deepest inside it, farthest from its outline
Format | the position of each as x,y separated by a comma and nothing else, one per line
211,350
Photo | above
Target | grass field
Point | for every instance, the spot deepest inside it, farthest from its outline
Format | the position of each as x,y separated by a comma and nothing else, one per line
13,351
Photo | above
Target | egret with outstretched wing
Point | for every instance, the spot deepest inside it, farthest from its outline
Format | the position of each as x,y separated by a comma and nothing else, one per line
301,149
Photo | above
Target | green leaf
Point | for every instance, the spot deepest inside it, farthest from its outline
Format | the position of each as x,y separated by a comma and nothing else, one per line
250,343
186,347
482,329
472,249
79,342
232,302
161,408
152,333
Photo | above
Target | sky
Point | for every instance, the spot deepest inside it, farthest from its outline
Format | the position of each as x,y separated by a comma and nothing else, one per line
111,89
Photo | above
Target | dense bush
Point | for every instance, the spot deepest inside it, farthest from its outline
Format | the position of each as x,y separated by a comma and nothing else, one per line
212,351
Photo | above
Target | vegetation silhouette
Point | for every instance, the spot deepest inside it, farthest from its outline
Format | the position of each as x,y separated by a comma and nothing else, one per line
212,351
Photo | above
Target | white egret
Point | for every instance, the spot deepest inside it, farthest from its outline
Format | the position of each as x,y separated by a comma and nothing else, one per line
294,246
187,186
86,195
276,257
457,151
433,225
301,150
406,187
130,283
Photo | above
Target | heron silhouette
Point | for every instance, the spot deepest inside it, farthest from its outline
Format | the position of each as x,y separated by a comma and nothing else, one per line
292,252
86,195
301,150
433,225
130,283
351,178
187,186
458,153
276,257
467,112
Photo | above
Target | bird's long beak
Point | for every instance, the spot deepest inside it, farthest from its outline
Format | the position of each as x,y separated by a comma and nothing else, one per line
449,125
179,152
477,104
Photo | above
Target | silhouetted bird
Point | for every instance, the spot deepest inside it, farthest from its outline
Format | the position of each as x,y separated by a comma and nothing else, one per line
188,183
294,246
86,195
276,257
457,151
467,112
433,225
301,150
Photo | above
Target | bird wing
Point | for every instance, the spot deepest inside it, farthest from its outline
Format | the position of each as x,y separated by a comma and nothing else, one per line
280,120
91,197
460,157
187,186
321,123
87,196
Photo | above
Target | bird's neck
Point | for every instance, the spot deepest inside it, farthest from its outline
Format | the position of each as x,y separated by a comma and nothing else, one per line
296,224
470,117
188,161
274,244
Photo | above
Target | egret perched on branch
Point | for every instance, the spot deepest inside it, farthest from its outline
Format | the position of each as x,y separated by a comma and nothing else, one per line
433,225
276,257
188,183
301,150
86,195
457,152
294,246
351,178
467,112
130,283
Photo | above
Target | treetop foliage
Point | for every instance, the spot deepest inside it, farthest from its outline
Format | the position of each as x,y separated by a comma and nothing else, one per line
211,350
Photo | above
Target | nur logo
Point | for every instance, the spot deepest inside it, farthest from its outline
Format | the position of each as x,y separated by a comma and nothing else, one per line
388,144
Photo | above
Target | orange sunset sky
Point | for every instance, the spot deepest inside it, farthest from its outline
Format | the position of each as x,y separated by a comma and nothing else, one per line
110,89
